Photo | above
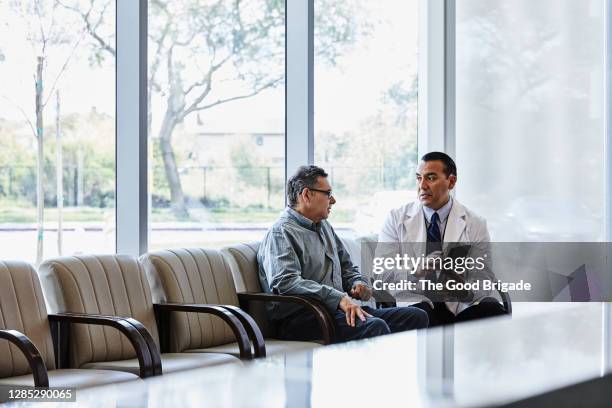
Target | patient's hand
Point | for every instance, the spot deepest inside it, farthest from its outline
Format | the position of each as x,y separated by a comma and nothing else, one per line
361,291
352,311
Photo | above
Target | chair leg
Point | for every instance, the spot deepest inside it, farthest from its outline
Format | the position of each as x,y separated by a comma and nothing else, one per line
60,333
163,324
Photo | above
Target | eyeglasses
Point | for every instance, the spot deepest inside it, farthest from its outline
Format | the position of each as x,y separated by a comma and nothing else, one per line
328,193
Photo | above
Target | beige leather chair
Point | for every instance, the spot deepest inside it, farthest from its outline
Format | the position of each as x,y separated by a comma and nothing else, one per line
203,276
28,357
113,285
242,259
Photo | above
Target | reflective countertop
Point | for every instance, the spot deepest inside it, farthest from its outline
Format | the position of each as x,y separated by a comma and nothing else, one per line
489,362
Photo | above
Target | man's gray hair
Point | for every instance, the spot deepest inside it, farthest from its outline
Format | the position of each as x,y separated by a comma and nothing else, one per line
304,177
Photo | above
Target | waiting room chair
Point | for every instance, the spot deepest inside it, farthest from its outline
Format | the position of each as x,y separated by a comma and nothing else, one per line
203,276
28,355
242,259
116,285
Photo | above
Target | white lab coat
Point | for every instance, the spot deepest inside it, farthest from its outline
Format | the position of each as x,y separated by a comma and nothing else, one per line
406,225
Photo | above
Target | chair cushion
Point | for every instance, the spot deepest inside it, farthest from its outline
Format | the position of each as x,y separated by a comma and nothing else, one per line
273,347
192,275
242,259
243,263
99,284
74,378
22,308
171,362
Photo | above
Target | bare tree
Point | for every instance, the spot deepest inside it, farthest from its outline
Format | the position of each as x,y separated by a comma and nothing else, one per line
197,45
59,167
45,32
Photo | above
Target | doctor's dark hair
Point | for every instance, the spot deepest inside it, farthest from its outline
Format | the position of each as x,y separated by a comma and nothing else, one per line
450,169
304,177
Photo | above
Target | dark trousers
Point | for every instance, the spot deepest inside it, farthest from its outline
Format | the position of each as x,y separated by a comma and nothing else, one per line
304,326
440,315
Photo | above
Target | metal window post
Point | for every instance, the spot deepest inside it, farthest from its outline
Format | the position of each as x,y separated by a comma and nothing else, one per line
436,116
131,124
606,351
299,77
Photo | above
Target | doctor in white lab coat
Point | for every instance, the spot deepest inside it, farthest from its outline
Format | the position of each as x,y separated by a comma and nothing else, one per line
431,226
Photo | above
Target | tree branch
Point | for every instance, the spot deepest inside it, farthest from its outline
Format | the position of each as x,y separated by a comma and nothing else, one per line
157,60
64,67
25,116
207,79
194,108
43,37
92,29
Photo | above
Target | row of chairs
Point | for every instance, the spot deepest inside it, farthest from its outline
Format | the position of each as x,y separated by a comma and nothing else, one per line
116,318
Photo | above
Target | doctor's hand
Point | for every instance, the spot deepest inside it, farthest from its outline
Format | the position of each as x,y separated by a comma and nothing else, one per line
361,291
428,266
351,310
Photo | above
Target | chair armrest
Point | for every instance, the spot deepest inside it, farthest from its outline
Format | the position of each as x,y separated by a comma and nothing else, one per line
31,353
320,312
237,328
133,335
153,349
383,298
505,297
252,329
382,305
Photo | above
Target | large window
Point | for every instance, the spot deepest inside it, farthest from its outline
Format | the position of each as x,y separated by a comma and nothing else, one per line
366,106
216,120
530,117
57,128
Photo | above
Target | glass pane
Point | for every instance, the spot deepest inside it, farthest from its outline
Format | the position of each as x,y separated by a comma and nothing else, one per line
530,117
57,128
216,86
366,106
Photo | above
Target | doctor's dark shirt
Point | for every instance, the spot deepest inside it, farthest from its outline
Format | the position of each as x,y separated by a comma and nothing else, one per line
299,257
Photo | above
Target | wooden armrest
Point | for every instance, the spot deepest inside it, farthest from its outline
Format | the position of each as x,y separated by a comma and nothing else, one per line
128,330
505,297
252,329
237,328
383,298
31,353
319,310
153,349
